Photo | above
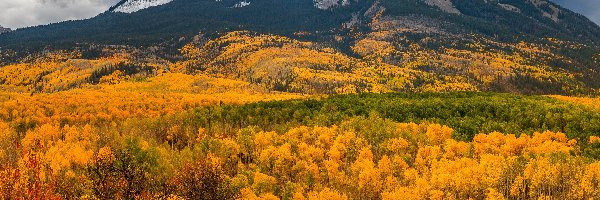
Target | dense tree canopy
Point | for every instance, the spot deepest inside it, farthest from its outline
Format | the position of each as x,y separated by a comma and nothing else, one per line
367,146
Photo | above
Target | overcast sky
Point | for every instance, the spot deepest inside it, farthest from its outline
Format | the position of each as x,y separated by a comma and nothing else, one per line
24,13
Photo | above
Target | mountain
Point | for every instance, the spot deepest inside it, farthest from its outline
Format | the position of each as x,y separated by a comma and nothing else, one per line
377,45
158,19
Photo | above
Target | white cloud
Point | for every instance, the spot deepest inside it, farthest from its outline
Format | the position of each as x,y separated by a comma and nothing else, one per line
24,13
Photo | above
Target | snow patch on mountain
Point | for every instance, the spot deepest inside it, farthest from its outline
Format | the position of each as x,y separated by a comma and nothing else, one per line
241,4
132,6
327,4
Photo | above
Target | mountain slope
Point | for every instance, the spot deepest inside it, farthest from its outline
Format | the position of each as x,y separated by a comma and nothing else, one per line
181,17
372,45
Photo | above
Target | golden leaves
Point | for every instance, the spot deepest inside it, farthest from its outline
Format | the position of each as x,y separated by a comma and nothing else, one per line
114,78
587,101
594,140
105,155
51,75
164,94
263,183
508,145
372,49
438,134
326,194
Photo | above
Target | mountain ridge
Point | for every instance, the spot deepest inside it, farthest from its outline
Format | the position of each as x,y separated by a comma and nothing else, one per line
488,15
422,45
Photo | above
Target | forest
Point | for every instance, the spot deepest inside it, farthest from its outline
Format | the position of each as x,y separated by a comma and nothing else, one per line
261,116
459,145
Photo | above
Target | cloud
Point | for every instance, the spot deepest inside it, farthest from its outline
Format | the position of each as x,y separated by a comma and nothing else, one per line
24,13
59,3
589,8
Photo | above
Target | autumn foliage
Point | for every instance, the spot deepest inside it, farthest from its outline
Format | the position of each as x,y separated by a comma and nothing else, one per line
360,158
199,126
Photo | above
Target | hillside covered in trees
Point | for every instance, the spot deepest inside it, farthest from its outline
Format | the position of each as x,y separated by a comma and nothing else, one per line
303,99
364,45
